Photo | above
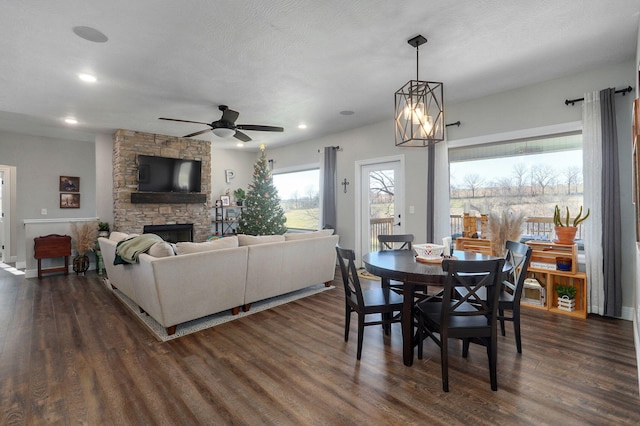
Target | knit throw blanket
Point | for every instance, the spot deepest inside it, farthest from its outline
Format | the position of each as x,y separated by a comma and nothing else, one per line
127,251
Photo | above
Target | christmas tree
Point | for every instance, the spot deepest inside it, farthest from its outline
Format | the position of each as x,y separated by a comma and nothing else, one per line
263,214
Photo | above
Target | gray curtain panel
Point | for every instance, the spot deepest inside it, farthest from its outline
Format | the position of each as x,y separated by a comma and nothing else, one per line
329,188
611,233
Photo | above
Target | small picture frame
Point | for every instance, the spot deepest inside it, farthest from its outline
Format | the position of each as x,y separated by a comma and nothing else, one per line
69,201
225,200
69,184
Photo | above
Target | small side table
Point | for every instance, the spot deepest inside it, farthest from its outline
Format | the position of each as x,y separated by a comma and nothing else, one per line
51,246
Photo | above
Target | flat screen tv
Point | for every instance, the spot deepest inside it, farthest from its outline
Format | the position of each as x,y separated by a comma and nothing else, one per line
163,174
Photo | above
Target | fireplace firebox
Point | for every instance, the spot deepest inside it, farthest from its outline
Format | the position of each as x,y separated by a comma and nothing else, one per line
171,233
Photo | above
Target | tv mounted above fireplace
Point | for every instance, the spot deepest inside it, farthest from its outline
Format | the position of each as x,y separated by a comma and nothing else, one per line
163,174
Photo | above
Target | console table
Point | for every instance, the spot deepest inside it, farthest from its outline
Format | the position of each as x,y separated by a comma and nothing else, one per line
51,246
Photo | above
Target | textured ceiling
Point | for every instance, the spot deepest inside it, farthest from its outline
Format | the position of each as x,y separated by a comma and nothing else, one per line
283,62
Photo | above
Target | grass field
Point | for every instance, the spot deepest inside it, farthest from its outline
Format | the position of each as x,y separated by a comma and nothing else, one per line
302,218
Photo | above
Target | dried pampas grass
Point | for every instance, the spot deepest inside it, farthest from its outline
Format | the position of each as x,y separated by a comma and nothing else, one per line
503,228
84,235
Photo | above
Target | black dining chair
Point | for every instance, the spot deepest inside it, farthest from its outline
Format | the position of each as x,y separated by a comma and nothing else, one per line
365,302
517,260
394,242
469,315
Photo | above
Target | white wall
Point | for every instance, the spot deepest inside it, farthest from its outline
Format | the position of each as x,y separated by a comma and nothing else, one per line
39,162
240,161
104,178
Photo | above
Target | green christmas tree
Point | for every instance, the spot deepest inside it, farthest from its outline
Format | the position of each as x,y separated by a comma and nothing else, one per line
263,214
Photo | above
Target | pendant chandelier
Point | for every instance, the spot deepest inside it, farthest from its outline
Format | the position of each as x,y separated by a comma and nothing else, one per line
419,109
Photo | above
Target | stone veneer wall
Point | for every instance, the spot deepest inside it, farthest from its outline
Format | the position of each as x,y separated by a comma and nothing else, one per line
131,218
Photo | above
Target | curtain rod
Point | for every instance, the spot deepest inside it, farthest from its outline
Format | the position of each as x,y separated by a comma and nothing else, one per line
337,148
573,101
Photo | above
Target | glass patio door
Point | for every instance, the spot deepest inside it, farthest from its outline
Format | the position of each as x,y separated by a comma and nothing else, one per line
381,200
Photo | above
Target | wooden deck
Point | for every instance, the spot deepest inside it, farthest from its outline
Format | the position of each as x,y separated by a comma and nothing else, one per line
71,354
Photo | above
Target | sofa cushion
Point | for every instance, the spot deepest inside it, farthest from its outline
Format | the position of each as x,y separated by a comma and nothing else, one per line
118,236
222,243
250,240
161,249
306,235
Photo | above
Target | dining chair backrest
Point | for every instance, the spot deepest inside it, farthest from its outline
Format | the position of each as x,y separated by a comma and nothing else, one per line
388,242
352,288
517,259
479,282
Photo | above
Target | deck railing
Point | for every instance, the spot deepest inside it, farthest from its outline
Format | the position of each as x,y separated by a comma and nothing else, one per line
537,228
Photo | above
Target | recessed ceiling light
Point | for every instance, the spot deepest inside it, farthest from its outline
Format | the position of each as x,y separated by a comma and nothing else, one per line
70,120
240,145
302,126
88,78
90,34
347,112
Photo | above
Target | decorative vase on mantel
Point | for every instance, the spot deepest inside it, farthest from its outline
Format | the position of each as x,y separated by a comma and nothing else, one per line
566,234
80,264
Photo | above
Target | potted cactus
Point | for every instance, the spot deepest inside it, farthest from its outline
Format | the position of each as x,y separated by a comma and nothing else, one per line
566,231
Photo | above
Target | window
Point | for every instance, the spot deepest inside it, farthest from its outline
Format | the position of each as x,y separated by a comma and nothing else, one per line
299,193
529,176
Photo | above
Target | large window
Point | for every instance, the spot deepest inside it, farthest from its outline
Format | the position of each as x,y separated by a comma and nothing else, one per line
529,176
299,193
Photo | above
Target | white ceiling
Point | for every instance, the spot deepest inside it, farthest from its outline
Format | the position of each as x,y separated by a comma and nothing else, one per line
283,62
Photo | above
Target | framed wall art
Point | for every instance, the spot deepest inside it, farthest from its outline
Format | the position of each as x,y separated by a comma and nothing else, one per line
69,184
69,201
225,200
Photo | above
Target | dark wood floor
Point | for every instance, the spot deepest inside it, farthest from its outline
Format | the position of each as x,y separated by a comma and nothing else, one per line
71,354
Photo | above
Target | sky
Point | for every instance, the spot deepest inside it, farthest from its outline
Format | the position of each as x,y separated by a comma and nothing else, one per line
303,182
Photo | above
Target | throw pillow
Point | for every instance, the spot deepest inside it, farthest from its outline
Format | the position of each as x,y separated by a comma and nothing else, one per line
307,235
249,240
161,249
222,243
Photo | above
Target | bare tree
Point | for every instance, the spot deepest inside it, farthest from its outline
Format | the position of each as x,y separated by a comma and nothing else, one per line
381,182
520,177
505,185
572,175
473,181
542,175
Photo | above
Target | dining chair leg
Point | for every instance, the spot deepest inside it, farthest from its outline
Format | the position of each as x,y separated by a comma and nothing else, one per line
492,352
501,319
516,329
347,322
465,348
444,362
360,334
420,335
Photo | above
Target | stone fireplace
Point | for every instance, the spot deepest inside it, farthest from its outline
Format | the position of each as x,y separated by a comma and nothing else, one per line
133,211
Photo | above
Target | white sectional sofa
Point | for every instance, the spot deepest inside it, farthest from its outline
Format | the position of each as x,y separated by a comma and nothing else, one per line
211,277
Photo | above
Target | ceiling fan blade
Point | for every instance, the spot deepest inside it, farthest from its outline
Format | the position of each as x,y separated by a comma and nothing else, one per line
197,133
241,136
230,115
184,121
259,128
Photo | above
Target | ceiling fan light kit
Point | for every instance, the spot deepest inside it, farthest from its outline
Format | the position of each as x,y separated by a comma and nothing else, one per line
226,126
419,109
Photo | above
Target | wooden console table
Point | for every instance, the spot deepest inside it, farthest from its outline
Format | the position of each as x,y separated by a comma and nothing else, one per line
51,246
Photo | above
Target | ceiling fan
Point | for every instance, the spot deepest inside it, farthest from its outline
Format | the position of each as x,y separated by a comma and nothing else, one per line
227,127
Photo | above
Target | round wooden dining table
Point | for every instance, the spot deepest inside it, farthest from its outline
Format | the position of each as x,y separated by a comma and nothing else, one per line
401,265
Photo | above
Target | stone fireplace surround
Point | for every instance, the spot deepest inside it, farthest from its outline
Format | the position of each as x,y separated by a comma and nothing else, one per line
131,217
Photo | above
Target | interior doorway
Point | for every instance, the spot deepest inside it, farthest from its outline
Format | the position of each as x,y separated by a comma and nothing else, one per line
380,206
5,212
